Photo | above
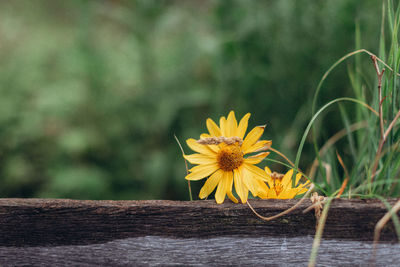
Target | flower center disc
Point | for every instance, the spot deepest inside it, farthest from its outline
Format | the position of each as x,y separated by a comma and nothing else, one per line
230,158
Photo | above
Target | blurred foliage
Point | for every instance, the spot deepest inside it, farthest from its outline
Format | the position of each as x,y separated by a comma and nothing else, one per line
92,92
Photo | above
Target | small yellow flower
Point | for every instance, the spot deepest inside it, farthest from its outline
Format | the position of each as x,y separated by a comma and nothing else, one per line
281,185
224,162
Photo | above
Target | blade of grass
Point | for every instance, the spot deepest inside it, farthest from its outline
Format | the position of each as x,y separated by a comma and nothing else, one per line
331,141
302,142
349,134
186,165
318,235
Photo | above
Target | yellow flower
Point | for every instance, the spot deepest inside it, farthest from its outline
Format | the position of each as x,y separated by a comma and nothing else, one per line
281,185
224,162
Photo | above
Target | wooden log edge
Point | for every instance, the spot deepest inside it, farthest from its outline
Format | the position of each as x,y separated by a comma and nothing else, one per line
50,222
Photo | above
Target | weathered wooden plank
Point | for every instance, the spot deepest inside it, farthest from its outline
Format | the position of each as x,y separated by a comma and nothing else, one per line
217,251
49,222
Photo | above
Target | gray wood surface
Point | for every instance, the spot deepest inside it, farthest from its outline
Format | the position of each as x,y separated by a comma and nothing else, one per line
217,251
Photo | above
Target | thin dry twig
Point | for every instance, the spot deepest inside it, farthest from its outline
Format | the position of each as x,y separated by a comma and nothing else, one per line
311,207
381,143
377,58
391,125
216,140
283,212
382,222
380,75
384,134
318,206
264,148
262,154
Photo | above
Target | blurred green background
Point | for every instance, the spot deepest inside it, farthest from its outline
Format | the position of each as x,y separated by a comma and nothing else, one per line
92,92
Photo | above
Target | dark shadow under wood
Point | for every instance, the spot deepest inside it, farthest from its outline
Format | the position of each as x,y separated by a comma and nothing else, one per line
49,222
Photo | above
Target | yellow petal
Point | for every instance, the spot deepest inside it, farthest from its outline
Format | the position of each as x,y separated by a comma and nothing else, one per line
248,181
241,130
268,170
200,159
204,135
287,179
229,190
256,158
201,171
262,189
223,126
257,172
304,185
202,149
301,191
231,124
272,194
257,187
252,137
298,177
246,192
222,187
210,184
232,197
213,128
270,181
214,148
288,193
258,145
238,177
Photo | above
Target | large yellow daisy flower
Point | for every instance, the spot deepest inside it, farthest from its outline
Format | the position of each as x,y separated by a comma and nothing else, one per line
281,185
224,162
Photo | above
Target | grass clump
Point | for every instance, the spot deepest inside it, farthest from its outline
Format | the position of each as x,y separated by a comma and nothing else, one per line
368,144
371,152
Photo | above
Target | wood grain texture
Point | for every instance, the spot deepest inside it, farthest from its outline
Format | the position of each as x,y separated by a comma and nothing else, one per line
216,251
51,222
